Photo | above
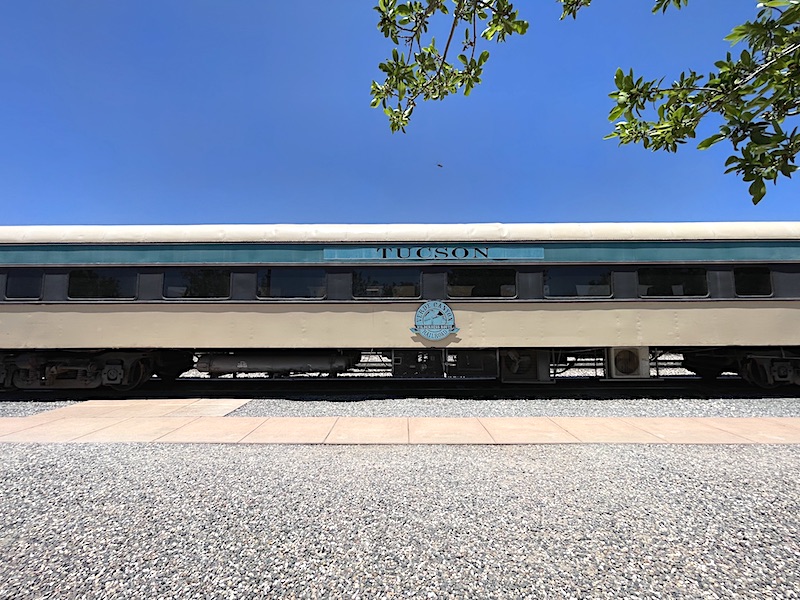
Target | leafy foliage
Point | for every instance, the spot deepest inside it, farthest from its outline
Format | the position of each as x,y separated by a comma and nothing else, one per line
756,94
424,71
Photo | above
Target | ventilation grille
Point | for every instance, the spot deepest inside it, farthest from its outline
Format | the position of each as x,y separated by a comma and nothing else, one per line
631,362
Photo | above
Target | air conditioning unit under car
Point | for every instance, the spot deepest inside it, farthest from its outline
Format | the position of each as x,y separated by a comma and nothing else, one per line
628,362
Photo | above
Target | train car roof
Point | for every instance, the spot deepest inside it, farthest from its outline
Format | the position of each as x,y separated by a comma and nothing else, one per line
402,233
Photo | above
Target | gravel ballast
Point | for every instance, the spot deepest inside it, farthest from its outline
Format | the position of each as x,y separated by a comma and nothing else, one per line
216,521
443,407
447,407
27,409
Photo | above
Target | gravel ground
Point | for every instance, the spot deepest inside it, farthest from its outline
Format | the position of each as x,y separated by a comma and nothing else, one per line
764,407
589,521
441,407
191,521
27,409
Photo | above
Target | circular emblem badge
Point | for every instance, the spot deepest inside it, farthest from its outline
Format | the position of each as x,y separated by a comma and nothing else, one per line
434,321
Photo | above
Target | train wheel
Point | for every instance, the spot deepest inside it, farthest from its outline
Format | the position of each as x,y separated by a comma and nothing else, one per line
138,372
755,373
168,366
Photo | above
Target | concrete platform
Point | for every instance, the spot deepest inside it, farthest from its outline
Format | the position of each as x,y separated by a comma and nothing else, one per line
204,421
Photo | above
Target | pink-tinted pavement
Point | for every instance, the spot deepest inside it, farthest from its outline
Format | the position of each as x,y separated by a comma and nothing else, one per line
204,421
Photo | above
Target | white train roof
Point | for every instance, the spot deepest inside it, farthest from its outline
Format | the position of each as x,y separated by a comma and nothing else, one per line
403,233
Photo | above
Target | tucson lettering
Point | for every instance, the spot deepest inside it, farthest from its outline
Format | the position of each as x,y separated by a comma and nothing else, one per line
434,252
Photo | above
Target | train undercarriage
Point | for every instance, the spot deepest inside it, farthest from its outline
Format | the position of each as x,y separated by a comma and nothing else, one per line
124,370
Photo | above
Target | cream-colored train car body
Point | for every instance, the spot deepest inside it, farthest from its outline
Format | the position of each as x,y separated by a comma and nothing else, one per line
364,324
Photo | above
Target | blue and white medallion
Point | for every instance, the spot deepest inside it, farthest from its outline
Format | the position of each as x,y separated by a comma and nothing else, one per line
434,321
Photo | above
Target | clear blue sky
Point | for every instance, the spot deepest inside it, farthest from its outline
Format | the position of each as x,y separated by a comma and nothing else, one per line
256,111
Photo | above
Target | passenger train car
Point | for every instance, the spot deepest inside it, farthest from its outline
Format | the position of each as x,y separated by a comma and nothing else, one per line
85,306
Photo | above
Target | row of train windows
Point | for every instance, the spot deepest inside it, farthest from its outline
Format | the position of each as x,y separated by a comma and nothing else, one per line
383,282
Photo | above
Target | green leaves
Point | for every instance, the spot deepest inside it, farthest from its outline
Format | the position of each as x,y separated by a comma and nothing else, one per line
423,71
757,190
663,5
570,8
710,141
750,98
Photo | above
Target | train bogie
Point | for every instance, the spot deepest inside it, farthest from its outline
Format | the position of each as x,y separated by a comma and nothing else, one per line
119,370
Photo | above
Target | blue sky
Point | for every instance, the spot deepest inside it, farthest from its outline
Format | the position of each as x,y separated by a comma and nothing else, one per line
256,111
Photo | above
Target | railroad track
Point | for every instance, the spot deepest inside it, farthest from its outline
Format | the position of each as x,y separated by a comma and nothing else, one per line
359,388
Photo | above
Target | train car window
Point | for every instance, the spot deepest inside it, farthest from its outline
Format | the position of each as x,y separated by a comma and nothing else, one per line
386,282
571,282
288,282
197,283
482,283
672,281
752,281
102,284
24,284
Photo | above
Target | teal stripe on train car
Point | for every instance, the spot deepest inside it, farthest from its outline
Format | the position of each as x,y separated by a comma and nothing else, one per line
643,252
435,253
344,254
159,254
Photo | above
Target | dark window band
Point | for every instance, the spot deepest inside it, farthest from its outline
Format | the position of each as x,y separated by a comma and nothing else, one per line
481,283
290,282
569,282
197,283
386,282
102,284
662,282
